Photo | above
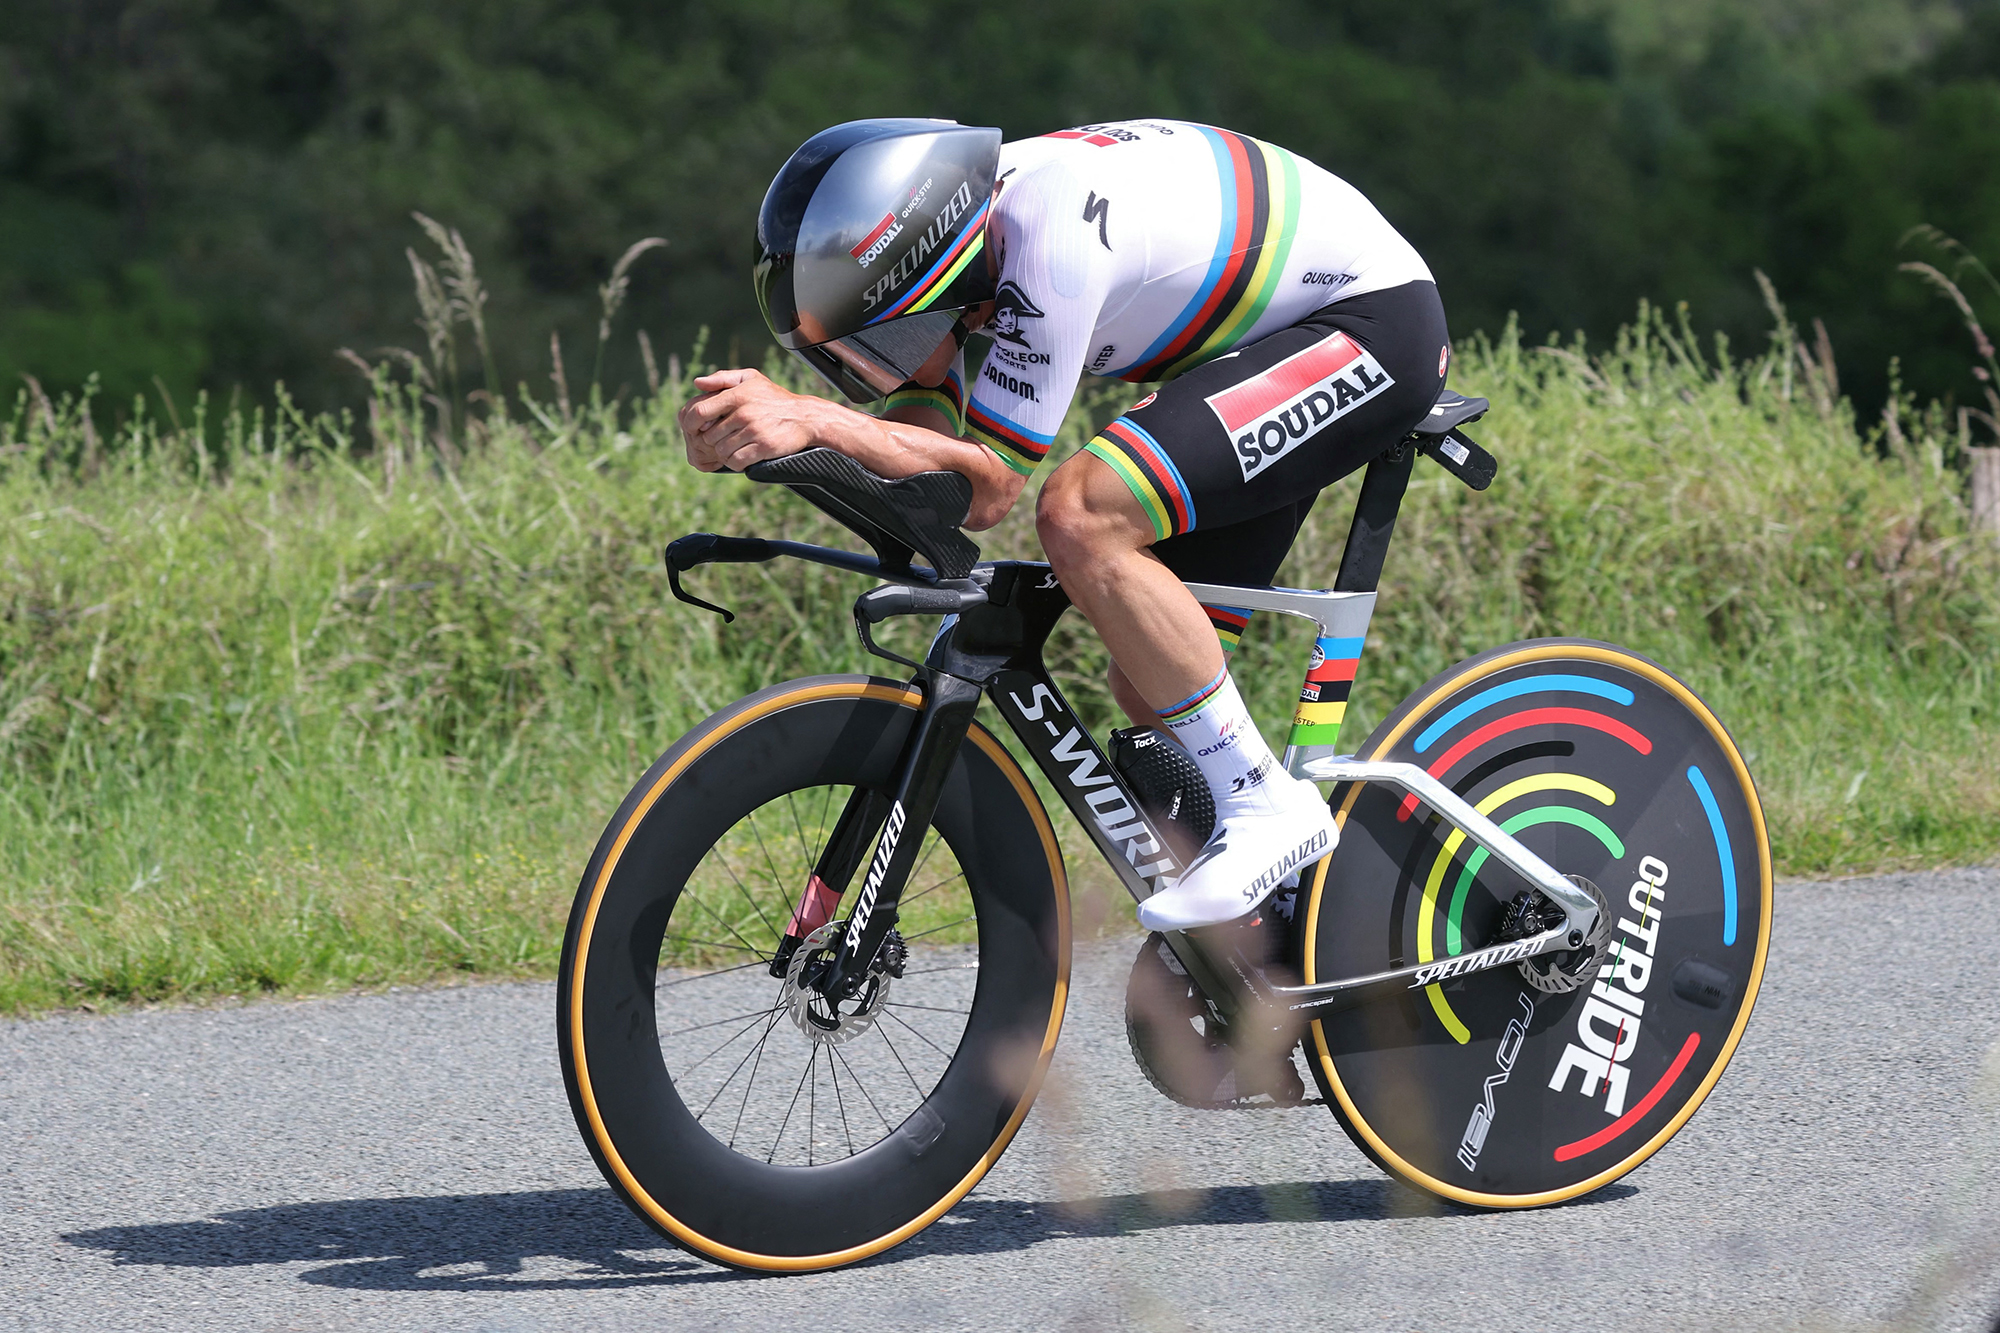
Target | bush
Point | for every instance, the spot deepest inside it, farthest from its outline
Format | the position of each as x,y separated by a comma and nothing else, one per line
286,702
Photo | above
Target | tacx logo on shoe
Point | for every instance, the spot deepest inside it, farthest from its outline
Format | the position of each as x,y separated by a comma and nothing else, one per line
1272,414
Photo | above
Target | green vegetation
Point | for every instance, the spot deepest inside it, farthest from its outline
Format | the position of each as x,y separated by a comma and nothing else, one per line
200,190
290,702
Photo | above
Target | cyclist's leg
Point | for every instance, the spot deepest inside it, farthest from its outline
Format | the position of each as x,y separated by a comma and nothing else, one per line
1247,553
1240,440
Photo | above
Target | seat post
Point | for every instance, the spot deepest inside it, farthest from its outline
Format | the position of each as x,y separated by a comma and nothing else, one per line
1374,523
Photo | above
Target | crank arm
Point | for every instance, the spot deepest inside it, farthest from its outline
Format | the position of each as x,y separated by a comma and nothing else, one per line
1328,994
1578,908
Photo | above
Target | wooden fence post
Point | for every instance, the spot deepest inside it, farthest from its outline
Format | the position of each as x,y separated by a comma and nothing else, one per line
1986,490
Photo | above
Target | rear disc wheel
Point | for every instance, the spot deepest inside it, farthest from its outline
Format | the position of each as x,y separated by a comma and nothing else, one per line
1487,1089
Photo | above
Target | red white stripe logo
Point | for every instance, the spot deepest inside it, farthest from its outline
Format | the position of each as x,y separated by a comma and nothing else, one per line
885,230
1269,415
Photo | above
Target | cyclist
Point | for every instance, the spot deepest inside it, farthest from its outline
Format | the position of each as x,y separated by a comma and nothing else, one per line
1297,335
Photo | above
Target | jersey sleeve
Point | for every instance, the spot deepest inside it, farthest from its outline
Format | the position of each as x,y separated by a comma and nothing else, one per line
1051,291
948,397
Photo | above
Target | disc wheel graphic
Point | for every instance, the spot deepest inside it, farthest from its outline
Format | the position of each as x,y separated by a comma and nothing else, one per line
1484,1089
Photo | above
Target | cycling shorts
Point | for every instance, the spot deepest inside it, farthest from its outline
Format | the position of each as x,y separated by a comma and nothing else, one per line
1227,459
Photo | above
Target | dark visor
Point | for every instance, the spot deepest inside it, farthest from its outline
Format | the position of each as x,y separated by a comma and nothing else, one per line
874,362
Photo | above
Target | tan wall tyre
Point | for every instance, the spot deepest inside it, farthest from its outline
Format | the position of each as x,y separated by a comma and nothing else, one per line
1483,1089
722,1117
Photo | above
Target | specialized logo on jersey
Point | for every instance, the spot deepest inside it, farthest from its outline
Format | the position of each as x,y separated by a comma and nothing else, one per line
1272,414
1011,306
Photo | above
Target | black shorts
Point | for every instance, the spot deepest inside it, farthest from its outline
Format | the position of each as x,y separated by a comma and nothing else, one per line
1228,458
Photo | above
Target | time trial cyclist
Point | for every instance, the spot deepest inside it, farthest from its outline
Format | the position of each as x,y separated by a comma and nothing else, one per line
1293,332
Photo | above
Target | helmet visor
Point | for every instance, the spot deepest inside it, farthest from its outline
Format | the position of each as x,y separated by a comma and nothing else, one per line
876,361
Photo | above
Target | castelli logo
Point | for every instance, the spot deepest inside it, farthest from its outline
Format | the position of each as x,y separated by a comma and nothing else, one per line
1444,357
1142,402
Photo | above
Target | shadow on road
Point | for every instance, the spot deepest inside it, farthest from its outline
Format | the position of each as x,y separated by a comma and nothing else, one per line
585,1239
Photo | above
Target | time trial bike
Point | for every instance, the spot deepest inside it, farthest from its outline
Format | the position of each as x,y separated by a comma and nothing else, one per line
817,964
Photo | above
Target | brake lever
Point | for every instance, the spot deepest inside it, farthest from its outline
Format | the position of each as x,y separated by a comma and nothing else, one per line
674,581
701,548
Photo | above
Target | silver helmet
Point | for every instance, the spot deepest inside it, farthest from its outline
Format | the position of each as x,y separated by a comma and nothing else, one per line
870,244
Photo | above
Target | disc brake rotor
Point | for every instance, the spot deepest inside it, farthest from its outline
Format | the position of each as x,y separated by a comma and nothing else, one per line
824,1020
1561,973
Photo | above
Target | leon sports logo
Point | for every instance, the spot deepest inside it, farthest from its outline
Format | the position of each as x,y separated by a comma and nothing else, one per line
1269,415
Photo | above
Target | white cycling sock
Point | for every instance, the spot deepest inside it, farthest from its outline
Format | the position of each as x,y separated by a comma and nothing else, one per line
1213,726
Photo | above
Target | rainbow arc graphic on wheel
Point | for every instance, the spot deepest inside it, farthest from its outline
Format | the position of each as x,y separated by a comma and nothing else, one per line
1614,773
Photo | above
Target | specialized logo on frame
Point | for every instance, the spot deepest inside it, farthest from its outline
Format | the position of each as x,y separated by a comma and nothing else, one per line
1272,414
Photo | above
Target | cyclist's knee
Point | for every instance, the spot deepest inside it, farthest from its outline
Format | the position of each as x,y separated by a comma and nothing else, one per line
1077,517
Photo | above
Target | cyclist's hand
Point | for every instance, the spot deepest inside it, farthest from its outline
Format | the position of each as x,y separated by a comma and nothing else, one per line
741,417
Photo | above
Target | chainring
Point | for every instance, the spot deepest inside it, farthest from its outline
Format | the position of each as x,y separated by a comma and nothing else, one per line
1180,1047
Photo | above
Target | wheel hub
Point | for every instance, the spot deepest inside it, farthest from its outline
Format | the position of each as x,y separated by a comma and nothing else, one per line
1558,973
826,1020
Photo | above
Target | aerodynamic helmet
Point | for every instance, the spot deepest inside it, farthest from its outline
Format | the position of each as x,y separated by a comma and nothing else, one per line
870,243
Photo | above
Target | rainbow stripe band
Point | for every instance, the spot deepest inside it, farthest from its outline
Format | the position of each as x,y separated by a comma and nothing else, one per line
1722,852
947,398
1018,447
1323,698
1260,212
1229,622
1130,451
970,244
1191,705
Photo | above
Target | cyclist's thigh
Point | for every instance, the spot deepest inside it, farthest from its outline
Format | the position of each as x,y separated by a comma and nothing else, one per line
1248,552
1253,432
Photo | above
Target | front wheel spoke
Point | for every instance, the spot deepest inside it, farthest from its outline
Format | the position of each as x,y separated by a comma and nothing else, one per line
792,1106
718,1050
840,1103
717,1095
952,967
755,1065
715,944
884,1033
769,864
935,929
868,1096
718,1022
951,879
704,976
929,1008
716,916
918,1035
744,889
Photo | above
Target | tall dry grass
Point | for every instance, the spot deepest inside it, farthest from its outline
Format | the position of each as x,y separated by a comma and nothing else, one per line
292,702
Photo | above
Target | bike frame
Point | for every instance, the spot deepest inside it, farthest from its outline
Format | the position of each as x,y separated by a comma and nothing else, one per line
997,621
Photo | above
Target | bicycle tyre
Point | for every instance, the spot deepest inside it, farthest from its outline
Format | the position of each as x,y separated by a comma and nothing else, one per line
678,1176
1609,767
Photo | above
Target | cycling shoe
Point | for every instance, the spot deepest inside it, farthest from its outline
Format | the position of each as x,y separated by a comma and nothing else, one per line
1246,859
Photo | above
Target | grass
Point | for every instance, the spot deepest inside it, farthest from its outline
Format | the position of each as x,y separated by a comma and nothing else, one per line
291,703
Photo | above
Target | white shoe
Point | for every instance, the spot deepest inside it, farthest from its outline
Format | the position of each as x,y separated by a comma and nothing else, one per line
1246,859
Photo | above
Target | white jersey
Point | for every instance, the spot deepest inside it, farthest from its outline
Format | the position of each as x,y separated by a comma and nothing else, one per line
1140,249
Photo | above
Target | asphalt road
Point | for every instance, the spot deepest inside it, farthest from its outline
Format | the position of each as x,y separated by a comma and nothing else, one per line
406,1161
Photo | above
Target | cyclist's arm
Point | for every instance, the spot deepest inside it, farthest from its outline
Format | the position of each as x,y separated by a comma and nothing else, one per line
741,418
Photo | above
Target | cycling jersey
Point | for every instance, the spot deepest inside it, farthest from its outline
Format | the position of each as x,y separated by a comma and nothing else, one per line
1141,249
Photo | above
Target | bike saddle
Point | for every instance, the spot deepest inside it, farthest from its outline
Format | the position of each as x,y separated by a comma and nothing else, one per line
900,518
1449,412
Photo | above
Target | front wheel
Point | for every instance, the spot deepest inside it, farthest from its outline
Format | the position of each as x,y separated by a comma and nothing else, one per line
725,1109
1487,1089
